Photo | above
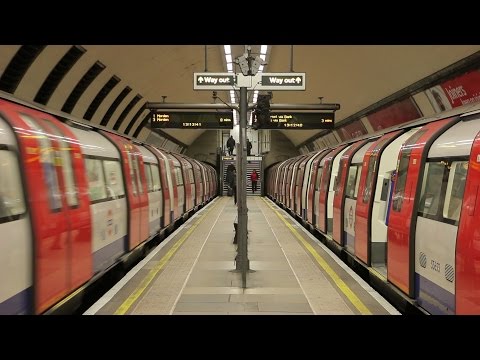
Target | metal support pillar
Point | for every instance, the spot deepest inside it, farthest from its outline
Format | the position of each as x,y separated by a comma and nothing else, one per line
243,264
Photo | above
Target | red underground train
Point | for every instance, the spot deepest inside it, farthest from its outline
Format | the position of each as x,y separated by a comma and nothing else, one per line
76,200
402,203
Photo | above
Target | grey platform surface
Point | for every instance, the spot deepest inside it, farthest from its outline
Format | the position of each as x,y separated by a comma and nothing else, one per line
198,278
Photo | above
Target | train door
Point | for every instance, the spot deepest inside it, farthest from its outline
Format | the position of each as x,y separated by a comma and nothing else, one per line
297,197
57,193
183,191
16,265
325,202
350,197
365,201
154,191
135,183
170,184
401,221
439,207
345,171
467,261
307,187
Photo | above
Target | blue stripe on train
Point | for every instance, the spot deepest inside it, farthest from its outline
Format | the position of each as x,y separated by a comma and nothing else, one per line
18,304
107,255
432,297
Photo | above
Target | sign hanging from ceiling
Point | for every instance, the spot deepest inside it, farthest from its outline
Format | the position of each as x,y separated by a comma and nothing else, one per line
285,120
282,81
191,120
213,81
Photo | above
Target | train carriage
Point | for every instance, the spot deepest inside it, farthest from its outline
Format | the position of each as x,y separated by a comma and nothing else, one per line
74,202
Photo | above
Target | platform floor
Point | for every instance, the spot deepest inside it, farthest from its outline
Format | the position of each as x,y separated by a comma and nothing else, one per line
192,271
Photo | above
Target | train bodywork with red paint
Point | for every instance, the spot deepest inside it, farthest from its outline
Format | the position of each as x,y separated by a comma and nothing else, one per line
76,200
417,206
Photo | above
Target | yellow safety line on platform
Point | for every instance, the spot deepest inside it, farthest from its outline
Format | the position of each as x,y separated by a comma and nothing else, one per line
321,261
122,309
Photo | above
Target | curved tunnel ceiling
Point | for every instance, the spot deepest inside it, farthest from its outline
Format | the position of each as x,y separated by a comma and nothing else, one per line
111,83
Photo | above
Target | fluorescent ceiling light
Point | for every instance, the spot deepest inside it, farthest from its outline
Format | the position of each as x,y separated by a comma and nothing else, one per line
229,66
228,49
263,56
263,49
229,58
260,68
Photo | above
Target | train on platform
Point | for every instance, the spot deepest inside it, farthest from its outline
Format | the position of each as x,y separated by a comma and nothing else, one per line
402,203
77,200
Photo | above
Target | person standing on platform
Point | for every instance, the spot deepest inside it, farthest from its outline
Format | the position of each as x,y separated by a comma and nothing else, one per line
249,148
232,183
254,178
230,145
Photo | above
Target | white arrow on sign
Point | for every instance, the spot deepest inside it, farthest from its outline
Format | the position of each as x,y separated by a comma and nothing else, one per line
298,80
200,79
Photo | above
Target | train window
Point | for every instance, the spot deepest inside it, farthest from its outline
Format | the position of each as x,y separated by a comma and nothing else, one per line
114,179
298,180
155,177
402,170
132,173
367,192
357,181
96,179
431,193
401,181
148,176
190,175
319,178
455,189
178,175
136,169
12,203
328,172
47,159
351,181
66,154
336,184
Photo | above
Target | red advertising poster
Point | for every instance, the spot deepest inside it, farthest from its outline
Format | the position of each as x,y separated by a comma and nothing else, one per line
394,114
463,89
352,130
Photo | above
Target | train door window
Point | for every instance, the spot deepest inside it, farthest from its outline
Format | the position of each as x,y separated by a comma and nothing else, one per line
148,176
132,172
327,171
96,179
338,179
114,179
190,175
298,180
402,170
12,203
156,185
66,154
367,192
455,190
136,169
432,189
319,178
351,181
178,175
47,159
357,181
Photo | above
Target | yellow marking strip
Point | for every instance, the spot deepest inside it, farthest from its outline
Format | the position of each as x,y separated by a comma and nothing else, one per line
321,261
122,309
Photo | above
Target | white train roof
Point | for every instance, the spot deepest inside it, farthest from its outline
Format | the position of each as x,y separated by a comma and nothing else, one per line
456,141
147,154
92,143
